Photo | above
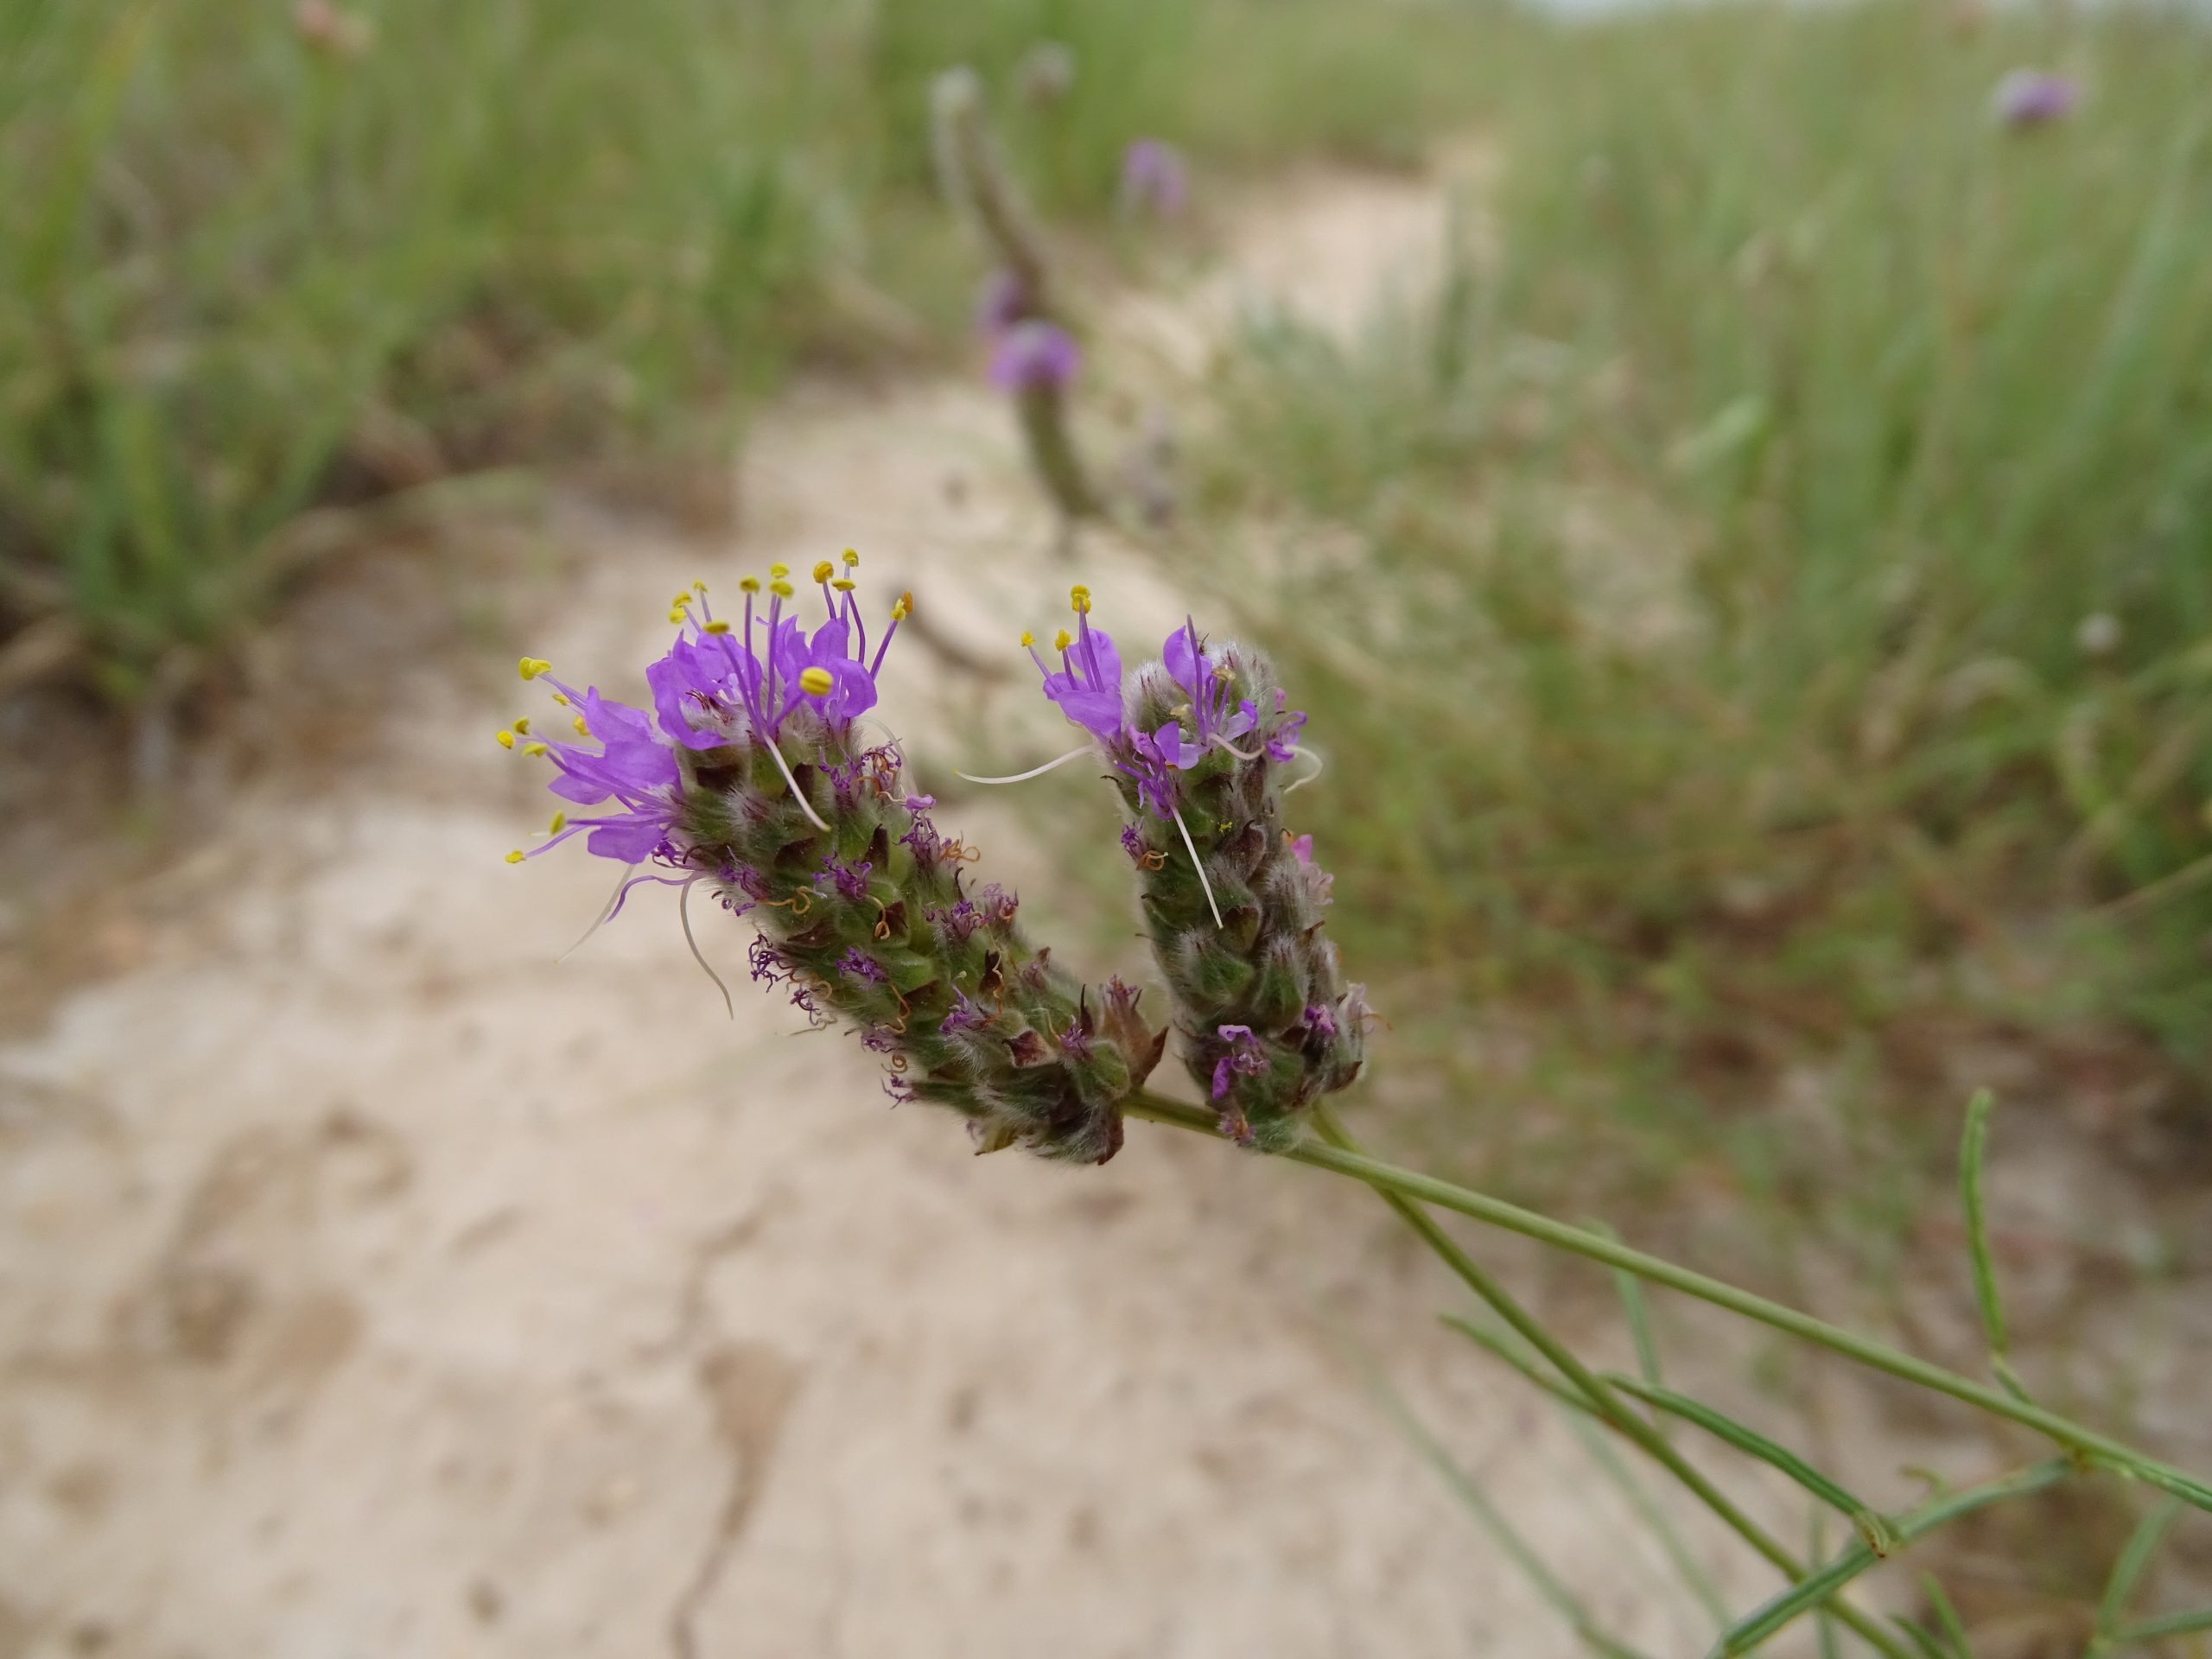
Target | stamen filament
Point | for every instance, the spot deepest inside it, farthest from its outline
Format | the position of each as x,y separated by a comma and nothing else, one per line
1033,772
1304,753
683,914
1199,864
797,794
621,877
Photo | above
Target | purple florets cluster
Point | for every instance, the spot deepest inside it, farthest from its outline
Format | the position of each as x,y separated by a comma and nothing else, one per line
1242,1058
1034,354
1208,716
851,880
2033,97
1152,179
746,775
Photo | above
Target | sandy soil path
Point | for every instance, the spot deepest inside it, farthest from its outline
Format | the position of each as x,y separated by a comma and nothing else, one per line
369,1285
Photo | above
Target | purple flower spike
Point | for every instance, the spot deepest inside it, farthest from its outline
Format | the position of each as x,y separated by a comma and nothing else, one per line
2033,97
1034,355
1153,178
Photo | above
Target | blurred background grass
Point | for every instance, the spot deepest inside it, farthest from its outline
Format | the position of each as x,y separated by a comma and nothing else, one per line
1763,607
252,268
1759,612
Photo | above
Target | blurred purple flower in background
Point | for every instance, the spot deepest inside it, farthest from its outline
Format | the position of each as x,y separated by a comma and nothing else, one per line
1034,354
2033,97
1152,178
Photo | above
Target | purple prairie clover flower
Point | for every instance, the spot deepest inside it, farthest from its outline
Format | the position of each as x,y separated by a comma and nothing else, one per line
959,919
1211,685
630,766
1153,178
849,880
712,687
2033,97
965,1014
718,685
1167,749
1244,1059
1088,686
854,965
1034,355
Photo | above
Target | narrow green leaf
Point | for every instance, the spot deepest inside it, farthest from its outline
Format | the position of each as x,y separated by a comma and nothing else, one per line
1954,1627
1916,1633
1871,1525
2134,1560
1504,1350
1637,1312
2150,1630
1820,1585
1974,1147
1823,1620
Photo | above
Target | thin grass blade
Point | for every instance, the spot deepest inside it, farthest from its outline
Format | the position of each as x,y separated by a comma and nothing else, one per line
1818,1587
2134,1561
1974,1147
1864,1517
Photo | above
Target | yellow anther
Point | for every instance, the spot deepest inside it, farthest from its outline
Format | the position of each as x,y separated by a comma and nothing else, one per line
1063,639
515,857
815,682
582,730
560,822
749,584
824,570
780,589
682,599
717,626
699,587
561,697
851,558
533,747
522,722
779,570
845,584
1079,600
531,667
902,607
506,738
676,614
1027,639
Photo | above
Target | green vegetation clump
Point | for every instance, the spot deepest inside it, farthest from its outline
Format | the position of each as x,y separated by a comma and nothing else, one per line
255,259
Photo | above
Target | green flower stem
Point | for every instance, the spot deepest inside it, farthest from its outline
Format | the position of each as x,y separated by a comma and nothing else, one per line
1407,1184
1629,1423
